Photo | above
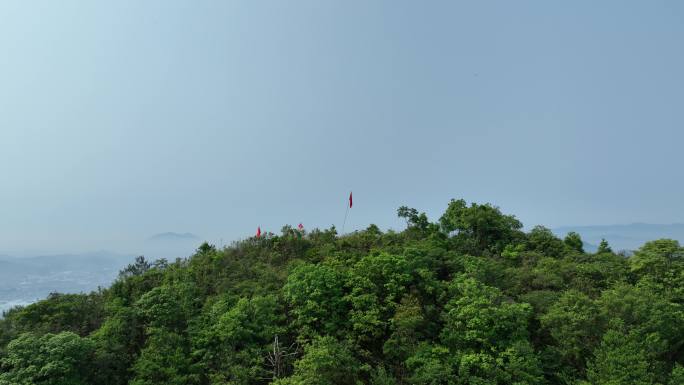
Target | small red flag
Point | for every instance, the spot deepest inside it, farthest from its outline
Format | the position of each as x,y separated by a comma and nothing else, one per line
351,202
300,226
258,235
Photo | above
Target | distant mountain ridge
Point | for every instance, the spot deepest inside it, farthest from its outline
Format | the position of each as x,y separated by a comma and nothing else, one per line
172,236
624,236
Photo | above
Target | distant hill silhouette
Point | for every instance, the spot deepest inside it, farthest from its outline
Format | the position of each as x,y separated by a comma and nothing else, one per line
624,237
171,236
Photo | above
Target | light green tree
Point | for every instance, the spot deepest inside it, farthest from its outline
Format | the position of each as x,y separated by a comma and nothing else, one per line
660,260
165,359
378,282
489,336
316,296
50,359
621,359
233,341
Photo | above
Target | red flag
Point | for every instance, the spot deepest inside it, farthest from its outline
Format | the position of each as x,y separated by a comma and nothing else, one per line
300,226
258,235
351,202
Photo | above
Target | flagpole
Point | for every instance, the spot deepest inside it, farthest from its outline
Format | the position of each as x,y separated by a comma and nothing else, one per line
349,204
345,219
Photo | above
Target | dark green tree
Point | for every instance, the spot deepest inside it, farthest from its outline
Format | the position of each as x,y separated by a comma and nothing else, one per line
483,227
574,242
139,267
575,325
604,247
543,241
326,361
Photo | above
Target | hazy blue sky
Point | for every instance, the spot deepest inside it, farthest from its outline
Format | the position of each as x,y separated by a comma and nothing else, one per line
121,119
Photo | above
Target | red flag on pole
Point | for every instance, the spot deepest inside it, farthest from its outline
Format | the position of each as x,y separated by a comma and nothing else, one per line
258,234
351,202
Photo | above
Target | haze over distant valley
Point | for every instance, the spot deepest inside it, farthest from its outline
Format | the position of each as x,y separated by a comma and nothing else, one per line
27,278
24,280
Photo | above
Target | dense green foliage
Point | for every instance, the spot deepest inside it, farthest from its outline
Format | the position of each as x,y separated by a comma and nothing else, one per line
469,299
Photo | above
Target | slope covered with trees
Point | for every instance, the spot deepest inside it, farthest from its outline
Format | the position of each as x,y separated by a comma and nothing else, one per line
469,299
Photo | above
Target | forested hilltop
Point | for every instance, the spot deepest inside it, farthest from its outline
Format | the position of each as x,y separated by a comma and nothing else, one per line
469,299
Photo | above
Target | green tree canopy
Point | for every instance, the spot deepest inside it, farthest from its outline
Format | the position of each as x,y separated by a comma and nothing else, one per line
50,359
483,227
468,300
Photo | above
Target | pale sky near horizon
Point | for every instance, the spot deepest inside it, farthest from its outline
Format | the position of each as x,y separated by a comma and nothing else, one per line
122,119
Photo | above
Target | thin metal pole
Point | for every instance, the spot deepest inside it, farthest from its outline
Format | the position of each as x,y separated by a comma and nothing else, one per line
345,218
